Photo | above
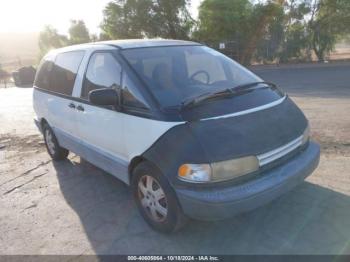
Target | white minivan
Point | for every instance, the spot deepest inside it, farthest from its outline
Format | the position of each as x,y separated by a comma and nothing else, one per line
192,132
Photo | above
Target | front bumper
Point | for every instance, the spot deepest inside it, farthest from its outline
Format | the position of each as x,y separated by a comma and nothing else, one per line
221,203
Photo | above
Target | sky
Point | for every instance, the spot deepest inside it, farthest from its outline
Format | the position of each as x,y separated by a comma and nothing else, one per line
23,16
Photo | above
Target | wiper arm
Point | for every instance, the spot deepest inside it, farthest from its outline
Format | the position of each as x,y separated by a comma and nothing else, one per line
206,96
250,86
229,92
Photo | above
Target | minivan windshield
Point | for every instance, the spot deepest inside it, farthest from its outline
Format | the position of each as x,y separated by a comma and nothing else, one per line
180,73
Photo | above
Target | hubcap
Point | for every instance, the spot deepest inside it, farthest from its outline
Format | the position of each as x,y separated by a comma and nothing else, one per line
49,141
152,198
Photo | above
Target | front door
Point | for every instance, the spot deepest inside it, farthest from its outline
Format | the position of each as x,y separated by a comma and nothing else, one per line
100,128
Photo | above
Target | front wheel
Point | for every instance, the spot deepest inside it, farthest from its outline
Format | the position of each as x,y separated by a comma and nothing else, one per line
156,200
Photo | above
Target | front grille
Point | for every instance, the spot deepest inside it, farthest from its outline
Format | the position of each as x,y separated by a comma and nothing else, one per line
277,153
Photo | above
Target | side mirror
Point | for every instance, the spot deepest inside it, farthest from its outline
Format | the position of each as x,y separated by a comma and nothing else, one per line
104,97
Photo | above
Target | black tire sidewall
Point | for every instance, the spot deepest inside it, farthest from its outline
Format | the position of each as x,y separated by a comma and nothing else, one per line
59,152
174,215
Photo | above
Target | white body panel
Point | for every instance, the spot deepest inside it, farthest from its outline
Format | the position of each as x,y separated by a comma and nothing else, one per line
118,134
107,138
121,135
140,133
56,111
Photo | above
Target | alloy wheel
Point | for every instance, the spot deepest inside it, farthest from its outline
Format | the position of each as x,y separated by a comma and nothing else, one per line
152,198
49,141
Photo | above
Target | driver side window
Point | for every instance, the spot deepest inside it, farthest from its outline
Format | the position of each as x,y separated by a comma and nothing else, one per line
103,72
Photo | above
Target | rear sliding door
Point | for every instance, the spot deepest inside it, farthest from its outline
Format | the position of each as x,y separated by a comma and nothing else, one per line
55,86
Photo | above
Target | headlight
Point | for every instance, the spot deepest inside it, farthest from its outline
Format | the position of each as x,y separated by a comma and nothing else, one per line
229,169
306,134
218,171
195,172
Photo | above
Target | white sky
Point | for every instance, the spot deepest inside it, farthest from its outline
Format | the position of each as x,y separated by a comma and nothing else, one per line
32,15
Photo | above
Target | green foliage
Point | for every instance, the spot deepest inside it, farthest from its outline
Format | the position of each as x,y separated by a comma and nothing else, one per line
269,30
237,21
125,19
263,23
295,44
330,20
274,30
78,33
269,47
49,39
227,21
220,20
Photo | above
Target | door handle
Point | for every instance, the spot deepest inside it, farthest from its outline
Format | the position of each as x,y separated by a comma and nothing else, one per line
71,105
80,108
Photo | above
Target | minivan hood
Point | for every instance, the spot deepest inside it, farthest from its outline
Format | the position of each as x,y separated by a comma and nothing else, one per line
224,138
249,134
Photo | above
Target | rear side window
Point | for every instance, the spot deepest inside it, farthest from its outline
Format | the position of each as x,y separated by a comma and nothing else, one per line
65,71
103,72
42,79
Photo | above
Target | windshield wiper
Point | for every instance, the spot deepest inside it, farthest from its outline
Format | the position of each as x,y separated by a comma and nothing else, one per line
226,93
251,86
206,96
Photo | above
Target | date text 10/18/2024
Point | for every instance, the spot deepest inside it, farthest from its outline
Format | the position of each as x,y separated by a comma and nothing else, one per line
173,258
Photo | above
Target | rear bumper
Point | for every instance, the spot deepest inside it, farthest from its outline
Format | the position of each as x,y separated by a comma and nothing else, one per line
221,203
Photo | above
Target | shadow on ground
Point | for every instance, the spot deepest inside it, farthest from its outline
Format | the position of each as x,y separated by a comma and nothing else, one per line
308,220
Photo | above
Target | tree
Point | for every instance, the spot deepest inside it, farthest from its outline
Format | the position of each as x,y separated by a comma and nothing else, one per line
263,16
170,19
329,20
103,36
238,21
224,21
295,39
49,39
147,18
269,46
78,33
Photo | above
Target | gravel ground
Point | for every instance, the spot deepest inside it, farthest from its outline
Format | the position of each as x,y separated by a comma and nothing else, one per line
74,208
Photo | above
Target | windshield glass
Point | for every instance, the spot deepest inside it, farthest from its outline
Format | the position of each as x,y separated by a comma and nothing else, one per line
178,73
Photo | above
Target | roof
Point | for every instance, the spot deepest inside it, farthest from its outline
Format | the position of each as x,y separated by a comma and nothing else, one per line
122,44
136,43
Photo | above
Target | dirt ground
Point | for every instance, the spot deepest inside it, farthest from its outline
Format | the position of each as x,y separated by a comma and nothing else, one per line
74,208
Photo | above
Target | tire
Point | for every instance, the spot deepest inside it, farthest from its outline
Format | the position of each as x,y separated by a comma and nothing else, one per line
56,152
160,209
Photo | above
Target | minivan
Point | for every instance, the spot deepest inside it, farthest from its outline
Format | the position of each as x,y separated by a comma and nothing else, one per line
194,134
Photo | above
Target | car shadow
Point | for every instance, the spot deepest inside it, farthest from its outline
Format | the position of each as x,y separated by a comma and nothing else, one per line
308,220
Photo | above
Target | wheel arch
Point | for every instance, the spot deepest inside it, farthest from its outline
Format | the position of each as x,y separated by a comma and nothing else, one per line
133,163
43,121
